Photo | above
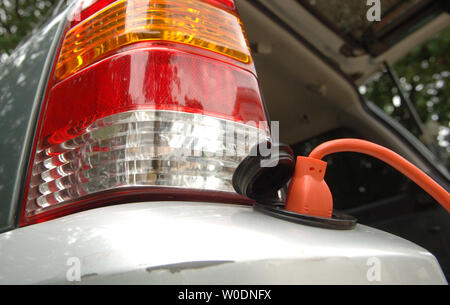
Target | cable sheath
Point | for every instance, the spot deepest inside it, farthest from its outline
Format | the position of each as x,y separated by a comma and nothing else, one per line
393,159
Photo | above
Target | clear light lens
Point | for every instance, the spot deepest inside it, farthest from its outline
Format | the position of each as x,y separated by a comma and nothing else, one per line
141,148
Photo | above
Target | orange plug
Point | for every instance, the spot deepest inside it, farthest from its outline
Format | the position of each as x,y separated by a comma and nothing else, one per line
308,193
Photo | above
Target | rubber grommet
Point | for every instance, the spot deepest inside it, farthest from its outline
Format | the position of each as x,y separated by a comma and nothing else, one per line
258,182
339,221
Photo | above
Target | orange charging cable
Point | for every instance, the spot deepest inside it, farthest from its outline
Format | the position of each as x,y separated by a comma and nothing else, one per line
305,194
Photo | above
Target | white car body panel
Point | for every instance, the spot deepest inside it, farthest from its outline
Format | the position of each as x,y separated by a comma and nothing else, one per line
206,243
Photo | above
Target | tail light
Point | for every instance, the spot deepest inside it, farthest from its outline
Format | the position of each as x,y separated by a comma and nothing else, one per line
147,98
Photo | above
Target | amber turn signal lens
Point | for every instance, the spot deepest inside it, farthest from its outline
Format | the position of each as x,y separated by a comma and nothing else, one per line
191,22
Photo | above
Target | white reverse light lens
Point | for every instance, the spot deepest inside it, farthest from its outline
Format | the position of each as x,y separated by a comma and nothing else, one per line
142,148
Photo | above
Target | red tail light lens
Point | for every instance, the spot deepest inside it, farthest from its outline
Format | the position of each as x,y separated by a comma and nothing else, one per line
160,115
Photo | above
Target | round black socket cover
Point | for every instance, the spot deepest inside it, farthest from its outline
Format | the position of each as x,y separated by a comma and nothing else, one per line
260,177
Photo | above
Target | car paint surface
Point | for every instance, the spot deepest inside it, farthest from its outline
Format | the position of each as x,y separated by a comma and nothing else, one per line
23,79
206,243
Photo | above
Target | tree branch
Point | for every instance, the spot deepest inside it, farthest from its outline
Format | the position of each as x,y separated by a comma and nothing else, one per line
16,9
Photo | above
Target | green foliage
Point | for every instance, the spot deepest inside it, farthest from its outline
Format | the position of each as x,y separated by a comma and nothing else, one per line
18,18
426,71
424,74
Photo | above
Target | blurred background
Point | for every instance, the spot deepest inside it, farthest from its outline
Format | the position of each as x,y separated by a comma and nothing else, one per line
423,75
18,18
